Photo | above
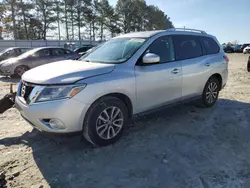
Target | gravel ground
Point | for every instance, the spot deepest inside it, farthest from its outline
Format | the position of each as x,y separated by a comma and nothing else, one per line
179,147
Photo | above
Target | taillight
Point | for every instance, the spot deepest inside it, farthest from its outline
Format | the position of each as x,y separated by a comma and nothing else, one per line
226,58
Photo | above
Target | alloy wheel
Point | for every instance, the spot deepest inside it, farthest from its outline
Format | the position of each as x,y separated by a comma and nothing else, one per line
212,92
109,123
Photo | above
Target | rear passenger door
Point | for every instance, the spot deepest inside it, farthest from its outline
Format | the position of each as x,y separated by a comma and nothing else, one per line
189,53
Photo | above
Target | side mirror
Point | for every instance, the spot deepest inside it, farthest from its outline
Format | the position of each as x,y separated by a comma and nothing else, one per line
150,58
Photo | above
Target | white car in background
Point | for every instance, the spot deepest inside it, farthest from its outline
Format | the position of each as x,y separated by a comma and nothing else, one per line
246,50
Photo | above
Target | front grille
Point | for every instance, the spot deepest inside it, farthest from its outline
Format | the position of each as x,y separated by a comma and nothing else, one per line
26,90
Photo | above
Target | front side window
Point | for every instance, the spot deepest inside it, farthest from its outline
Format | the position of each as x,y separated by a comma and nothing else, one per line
210,46
116,50
186,47
18,51
42,53
163,47
57,52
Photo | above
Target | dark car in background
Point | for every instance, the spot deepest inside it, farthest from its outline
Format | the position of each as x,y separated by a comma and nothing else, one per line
237,48
12,52
82,50
33,58
228,49
244,46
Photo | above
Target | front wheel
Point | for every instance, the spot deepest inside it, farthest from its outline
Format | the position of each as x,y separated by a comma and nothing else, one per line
210,92
105,121
20,70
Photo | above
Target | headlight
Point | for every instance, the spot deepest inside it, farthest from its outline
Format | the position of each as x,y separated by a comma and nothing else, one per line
58,92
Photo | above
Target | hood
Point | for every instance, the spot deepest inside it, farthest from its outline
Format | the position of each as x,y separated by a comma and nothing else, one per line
65,72
8,61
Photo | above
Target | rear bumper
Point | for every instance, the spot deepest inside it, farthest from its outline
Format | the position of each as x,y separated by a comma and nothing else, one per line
69,111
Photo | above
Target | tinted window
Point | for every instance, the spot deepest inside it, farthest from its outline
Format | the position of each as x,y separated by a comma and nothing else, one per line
10,53
57,52
210,46
43,53
163,47
68,51
24,50
186,47
18,51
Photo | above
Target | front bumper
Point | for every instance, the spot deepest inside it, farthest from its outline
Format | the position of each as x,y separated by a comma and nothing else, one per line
69,111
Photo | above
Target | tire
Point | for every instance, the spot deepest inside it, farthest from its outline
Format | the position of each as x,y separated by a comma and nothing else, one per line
210,93
20,70
100,130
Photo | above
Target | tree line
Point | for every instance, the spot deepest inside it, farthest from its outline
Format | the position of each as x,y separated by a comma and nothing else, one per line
77,19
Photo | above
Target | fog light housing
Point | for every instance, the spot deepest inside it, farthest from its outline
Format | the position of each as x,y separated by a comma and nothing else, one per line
56,124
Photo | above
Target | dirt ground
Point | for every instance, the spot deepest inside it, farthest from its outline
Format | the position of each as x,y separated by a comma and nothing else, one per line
179,147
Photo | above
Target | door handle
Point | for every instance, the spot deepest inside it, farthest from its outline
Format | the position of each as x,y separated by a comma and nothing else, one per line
175,71
207,64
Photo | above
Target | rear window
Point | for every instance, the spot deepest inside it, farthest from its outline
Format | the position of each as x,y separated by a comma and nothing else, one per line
186,47
209,45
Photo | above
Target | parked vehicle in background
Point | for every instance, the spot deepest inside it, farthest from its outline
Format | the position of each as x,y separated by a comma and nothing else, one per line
228,49
246,50
82,50
126,75
12,52
244,46
33,58
237,48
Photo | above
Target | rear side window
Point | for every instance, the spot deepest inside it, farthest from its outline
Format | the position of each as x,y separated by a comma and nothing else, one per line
210,46
186,47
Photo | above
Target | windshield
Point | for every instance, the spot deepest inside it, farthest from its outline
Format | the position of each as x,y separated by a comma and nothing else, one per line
3,51
28,53
116,50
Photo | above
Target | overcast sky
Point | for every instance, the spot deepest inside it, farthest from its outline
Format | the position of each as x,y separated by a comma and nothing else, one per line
228,20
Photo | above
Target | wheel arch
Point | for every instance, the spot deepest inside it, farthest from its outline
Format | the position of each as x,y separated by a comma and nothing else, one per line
19,65
218,77
123,97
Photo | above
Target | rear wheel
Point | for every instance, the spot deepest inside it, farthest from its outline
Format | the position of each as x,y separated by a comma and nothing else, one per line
20,70
210,92
105,121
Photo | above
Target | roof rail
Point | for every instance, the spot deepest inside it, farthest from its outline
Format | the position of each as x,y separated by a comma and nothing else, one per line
187,29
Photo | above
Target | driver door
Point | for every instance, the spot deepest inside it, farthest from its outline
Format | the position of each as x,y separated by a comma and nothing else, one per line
159,84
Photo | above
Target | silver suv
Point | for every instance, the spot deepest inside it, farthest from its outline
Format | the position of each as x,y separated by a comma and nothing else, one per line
127,75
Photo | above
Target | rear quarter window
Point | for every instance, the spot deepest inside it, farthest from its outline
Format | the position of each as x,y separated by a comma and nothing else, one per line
209,45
